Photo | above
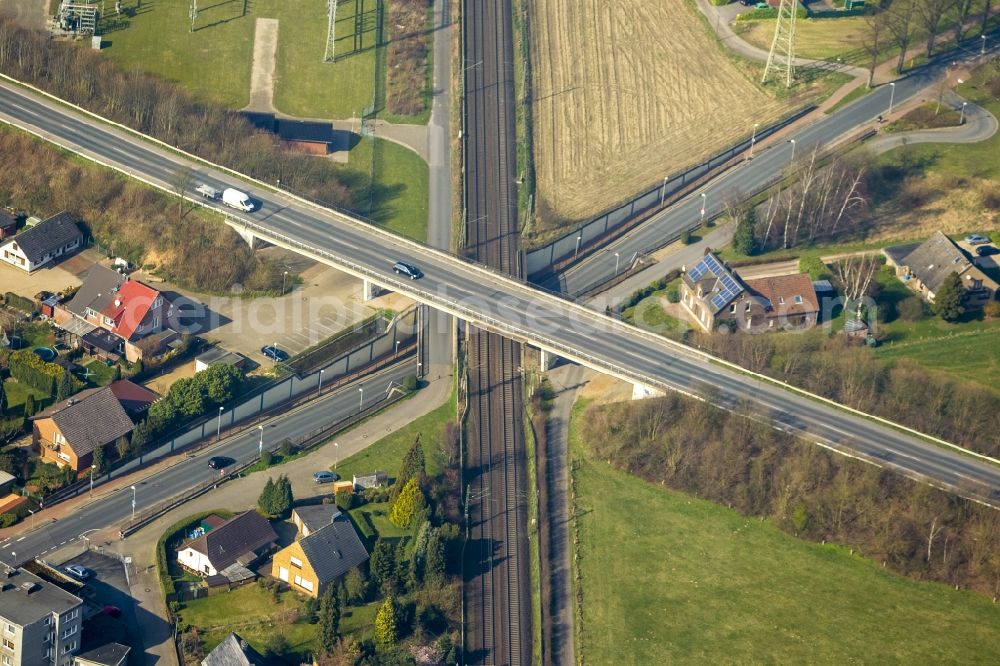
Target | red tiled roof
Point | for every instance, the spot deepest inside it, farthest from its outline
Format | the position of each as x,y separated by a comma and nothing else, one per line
134,398
129,307
786,287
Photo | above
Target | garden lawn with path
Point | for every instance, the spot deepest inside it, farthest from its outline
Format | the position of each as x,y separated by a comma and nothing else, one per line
699,583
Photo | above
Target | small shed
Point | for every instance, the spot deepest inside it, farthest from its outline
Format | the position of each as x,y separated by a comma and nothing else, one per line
343,487
218,356
374,480
6,481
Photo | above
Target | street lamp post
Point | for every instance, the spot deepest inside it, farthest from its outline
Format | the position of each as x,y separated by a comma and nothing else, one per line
133,502
663,189
753,140
32,518
419,369
336,454
892,96
397,347
579,237
319,388
361,400
982,50
284,276
260,444
961,120
792,141
704,201
616,263
218,426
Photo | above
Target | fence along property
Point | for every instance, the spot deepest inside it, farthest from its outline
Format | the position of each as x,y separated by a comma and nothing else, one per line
607,224
374,352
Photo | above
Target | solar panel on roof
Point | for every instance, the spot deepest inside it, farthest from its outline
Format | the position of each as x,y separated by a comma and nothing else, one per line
719,301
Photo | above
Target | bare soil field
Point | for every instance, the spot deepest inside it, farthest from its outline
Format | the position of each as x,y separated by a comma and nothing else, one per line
626,93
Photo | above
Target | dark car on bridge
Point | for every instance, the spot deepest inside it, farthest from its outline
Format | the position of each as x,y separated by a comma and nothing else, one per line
220,462
409,270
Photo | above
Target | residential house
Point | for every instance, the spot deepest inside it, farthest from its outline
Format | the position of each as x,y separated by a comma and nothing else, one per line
41,244
230,548
68,432
40,622
133,313
8,224
234,651
109,654
6,481
134,399
328,549
924,267
716,296
787,302
374,480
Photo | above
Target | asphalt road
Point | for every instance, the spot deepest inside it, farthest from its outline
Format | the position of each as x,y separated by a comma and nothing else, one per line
518,310
191,472
747,178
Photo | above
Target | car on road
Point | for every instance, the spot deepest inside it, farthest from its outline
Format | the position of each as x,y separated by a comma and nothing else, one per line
220,462
324,477
79,572
113,611
976,239
273,353
407,269
987,250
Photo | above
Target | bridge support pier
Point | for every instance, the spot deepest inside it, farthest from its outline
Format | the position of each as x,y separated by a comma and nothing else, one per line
369,290
641,392
245,233
547,360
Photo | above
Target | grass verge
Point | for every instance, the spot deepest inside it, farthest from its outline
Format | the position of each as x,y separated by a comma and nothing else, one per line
696,582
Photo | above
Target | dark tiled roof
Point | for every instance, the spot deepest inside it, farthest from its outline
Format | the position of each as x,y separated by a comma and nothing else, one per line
103,339
935,259
317,516
89,419
7,220
334,550
234,651
47,236
305,130
239,535
99,283
110,654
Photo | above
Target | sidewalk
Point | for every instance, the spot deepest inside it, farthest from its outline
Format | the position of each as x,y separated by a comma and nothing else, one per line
241,494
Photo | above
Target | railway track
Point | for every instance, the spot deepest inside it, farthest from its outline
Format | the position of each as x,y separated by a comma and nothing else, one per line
498,624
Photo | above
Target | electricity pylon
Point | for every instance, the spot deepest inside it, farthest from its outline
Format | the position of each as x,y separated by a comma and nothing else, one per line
781,59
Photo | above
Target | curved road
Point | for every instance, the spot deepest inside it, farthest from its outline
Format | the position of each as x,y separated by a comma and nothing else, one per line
751,176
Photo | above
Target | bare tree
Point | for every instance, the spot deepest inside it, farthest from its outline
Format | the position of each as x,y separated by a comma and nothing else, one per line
180,182
855,275
929,14
986,16
873,44
964,9
900,24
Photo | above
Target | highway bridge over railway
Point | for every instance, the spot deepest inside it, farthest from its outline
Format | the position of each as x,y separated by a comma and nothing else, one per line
501,304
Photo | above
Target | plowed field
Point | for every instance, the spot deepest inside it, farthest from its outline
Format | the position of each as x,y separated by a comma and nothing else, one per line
625,93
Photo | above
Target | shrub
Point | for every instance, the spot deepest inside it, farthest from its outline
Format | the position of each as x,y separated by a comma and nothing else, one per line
992,309
674,293
685,237
285,448
410,383
265,457
345,501
815,267
26,367
25,305
911,309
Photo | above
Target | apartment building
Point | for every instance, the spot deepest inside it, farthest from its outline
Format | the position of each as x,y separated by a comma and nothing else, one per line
40,623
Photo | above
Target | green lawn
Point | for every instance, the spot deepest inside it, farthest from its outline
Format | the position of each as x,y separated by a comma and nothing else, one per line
251,612
17,393
215,60
649,314
376,514
387,453
698,583
100,373
814,38
402,181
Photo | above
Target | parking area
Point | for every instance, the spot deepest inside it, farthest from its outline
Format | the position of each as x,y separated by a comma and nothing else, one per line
110,613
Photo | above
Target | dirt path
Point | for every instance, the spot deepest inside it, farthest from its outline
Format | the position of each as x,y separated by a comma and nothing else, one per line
265,48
